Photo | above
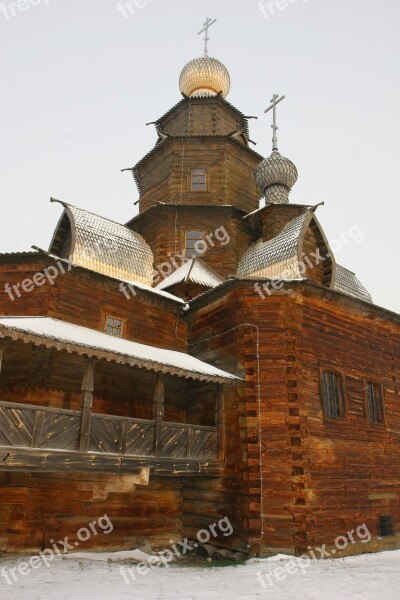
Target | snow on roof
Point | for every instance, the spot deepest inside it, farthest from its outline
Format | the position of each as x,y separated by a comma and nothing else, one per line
53,333
195,271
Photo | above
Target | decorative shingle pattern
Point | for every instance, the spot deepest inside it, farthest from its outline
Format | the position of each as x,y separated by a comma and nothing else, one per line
280,249
347,283
276,171
204,76
109,248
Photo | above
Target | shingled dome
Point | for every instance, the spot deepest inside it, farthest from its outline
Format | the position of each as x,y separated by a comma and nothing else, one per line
204,76
101,245
275,176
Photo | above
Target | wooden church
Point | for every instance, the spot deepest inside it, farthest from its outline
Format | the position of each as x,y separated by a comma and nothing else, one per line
207,359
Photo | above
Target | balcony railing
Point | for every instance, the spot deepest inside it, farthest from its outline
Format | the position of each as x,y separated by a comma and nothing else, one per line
41,428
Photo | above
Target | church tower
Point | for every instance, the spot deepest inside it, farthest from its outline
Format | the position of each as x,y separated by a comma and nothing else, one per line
199,177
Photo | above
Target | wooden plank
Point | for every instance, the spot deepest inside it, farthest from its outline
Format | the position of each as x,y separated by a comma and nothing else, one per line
37,428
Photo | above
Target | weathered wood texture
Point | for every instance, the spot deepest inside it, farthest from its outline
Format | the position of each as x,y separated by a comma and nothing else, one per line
206,501
228,236
84,298
37,508
351,466
203,116
165,175
319,479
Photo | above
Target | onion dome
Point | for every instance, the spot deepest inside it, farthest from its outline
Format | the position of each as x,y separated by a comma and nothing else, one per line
204,76
275,176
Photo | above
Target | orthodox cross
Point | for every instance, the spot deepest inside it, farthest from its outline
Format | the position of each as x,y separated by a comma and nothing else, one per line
275,100
209,22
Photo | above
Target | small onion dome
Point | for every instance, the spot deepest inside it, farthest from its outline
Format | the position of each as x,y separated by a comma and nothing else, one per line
275,176
204,76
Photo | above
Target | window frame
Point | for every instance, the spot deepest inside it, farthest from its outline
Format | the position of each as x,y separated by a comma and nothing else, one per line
206,179
380,385
341,374
184,241
110,315
392,529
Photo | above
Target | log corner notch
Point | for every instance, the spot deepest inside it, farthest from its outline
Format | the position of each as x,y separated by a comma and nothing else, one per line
86,403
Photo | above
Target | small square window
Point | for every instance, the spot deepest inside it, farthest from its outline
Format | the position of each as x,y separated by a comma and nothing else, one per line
199,180
375,410
385,526
113,326
332,396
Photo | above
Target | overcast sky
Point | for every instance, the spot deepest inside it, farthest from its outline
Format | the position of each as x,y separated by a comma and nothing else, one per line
80,79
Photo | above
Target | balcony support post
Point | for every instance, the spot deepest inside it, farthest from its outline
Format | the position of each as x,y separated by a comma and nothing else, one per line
86,403
220,422
158,413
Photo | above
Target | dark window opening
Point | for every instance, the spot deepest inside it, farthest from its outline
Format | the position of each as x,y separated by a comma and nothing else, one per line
332,395
191,246
199,180
385,526
374,402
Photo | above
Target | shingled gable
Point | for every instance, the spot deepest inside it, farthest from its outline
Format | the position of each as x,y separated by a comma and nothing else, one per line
102,245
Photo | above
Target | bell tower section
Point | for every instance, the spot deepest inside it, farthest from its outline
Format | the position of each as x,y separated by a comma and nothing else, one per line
202,157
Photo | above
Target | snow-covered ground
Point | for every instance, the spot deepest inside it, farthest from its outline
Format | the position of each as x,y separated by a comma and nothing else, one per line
367,577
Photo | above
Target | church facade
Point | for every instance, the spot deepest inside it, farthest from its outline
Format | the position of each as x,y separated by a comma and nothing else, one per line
208,359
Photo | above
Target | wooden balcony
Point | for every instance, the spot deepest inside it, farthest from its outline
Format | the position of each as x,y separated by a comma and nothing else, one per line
47,439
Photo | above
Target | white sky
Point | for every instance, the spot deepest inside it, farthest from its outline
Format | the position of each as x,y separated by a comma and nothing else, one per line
79,82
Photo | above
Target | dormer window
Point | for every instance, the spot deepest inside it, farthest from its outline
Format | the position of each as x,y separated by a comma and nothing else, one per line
199,180
113,326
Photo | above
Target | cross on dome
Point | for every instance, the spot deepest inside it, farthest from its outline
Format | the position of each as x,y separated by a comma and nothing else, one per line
208,23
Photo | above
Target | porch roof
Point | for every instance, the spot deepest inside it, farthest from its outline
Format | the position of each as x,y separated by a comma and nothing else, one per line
53,333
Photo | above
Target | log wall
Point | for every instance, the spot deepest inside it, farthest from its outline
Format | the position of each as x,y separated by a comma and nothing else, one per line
37,508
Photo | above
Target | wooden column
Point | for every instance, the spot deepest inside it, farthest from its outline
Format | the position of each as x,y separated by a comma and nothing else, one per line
220,422
158,413
86,403
1,352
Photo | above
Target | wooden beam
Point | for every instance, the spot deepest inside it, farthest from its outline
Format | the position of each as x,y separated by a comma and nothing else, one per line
26,459
220,422
2,342
158,413
86,403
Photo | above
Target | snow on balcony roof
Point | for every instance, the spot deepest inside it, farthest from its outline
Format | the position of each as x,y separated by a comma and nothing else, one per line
53,333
